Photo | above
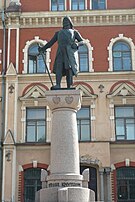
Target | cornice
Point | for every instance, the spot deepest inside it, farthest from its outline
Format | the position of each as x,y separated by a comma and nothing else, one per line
80,18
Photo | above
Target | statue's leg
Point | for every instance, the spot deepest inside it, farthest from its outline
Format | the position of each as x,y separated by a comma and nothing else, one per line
69,77
59,76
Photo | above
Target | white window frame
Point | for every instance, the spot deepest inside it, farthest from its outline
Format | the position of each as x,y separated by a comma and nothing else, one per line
50,5
25,51
70,5
120,37
90,58
99,9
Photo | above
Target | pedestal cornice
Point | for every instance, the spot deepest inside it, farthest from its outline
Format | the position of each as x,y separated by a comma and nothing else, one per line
57,99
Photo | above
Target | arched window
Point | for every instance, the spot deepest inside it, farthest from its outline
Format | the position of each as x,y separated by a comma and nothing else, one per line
32,183
35,61
121,56
125,184
83,58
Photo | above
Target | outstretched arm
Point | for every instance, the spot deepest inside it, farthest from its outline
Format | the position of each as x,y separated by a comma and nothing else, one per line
50,43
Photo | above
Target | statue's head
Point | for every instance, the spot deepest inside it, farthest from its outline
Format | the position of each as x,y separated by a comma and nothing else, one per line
67,23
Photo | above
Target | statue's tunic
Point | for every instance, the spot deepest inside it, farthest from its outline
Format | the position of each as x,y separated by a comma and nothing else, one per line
67,52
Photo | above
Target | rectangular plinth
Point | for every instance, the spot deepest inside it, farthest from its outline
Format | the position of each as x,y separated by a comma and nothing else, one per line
68,194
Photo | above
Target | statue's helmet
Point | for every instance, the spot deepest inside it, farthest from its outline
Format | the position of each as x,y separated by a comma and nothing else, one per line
67,22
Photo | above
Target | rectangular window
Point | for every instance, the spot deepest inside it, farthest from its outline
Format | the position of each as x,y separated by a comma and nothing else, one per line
98,4
84,124
36,125
57,5
125,122
77,4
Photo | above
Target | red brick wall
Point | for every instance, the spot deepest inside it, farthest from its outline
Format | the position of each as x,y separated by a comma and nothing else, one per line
43,5
94,34
13,47
120,4
34,6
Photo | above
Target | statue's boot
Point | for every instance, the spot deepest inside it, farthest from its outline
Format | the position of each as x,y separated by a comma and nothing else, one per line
56,87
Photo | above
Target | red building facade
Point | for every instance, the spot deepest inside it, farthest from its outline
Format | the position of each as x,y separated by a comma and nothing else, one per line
106,78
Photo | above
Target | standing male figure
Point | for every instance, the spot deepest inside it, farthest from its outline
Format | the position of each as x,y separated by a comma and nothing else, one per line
66,61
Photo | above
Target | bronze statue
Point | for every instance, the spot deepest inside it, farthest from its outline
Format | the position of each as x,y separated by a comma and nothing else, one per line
66,61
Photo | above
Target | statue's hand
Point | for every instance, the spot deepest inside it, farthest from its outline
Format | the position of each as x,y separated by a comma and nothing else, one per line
40,50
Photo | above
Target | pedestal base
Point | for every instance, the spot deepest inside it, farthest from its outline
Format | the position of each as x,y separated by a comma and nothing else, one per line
68,194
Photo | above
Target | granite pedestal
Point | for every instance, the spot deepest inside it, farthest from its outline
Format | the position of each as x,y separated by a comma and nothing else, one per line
64,184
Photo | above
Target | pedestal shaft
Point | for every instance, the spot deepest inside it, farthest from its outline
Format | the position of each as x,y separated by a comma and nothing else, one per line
64,142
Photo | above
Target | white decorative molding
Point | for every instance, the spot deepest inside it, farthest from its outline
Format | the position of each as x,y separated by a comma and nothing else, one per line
90,58
110,47
11,70
17,49
79,18
86,92
0,56
120,93
34,96
9,139
35,92
123,90
25,51
87,159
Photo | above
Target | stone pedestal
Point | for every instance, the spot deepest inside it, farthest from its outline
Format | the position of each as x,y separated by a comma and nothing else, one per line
64,184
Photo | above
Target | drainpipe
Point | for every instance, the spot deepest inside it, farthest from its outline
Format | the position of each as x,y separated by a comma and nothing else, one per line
3,95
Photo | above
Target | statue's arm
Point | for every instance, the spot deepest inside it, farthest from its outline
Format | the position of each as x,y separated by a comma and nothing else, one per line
81,41
50,43
78,36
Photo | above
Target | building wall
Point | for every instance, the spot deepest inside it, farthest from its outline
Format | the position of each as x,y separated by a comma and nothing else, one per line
103,151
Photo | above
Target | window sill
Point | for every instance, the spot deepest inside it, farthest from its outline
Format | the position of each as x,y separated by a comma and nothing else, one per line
33,143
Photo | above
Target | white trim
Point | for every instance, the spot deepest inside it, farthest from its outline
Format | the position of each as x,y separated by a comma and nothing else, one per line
70,5
50,4
23,120
92,119
14,175
3,176
17,50
65,5
6,108
130,43
0,57
98,9
86,6
15,110
90,8
25,50
90,58
112,121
